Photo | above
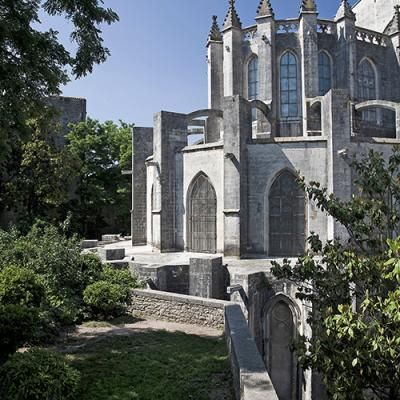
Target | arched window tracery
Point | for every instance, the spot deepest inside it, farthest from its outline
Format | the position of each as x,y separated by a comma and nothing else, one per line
253,82
325,73
367,88
289,85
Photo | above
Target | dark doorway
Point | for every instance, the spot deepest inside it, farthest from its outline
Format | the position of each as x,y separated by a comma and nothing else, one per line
286,217
203,216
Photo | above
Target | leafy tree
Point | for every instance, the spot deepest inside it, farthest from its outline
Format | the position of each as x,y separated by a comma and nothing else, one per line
34,64
104,150
353,286
42,181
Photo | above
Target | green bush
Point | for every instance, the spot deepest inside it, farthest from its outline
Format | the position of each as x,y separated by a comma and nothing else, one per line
19,325
57,259
121,277
21,286
105,299
38,375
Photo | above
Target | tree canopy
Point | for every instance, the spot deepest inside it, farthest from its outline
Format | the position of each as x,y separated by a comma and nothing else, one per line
353,286
34,63
103,193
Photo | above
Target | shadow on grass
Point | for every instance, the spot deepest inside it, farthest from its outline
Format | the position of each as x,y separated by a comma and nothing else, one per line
115,322
154,365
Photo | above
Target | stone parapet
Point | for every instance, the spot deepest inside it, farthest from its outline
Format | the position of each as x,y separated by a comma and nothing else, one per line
250,377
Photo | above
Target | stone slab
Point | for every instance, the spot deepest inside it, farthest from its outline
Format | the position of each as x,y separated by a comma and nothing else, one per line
89,244
116,253
110,238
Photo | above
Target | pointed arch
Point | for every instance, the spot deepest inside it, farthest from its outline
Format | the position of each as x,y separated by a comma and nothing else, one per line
281,319
286,216
289,88
202,215
253,81
367,86
324,72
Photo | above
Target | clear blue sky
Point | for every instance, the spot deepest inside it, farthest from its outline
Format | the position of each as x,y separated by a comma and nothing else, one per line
158,55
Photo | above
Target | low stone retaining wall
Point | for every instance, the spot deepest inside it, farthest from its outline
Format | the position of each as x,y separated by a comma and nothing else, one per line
250,377
178,308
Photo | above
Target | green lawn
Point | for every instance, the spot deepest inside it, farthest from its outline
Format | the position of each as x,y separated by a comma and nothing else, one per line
154,365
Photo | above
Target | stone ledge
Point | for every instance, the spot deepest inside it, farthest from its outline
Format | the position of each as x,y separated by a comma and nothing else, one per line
376,140
289,139
180,298
250,377
207,146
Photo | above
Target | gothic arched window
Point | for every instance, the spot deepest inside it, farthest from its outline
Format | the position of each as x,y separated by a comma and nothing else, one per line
325,73
288,86
287,223
252,82
202,232
367,88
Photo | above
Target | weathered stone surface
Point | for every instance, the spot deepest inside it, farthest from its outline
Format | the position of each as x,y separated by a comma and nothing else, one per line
178,308
89,244
120,264
250,377
112,254
168,278
110,238
208,278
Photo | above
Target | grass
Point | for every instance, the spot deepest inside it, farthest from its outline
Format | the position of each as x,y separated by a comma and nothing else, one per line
118,321
154,365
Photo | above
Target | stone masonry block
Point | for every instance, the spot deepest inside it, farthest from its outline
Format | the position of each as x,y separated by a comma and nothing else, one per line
117,253
208,278
89,244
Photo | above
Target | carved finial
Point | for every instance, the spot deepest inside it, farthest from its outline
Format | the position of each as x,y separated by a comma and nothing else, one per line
308,5
394,25
232,19
345,11
215,33
265,9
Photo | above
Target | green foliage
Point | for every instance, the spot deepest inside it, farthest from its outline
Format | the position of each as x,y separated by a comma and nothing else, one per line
37,375
121,277
354,286
42,182
110,295
103,150
105,299
19,325
57,260
20,286
33,63
21,297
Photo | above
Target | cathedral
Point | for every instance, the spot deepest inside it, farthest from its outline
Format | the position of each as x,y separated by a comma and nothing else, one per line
297,96
286,97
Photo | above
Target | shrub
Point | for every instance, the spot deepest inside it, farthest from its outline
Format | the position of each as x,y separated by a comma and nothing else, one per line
121,277
89,268
37,375
105,299
20,286
18,325
57,259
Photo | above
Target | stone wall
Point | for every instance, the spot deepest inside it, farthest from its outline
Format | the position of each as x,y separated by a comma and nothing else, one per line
250,377
142,141
178,308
